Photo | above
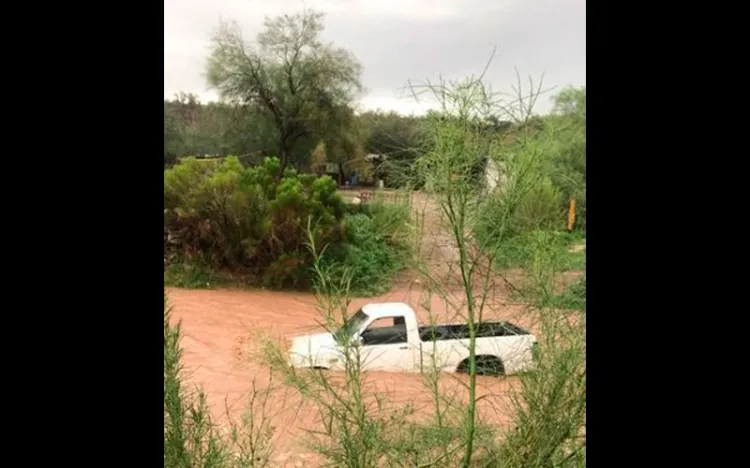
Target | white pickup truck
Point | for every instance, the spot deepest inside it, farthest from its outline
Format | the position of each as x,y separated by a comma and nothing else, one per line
390,339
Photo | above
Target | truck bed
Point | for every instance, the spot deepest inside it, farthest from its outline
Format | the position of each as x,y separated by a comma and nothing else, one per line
397,333
461,332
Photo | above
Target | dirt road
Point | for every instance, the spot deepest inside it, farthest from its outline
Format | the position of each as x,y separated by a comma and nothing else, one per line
219,355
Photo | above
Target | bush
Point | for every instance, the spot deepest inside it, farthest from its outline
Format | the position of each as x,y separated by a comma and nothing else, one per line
237,218
540,209
367,255
375,244
223,217
537,209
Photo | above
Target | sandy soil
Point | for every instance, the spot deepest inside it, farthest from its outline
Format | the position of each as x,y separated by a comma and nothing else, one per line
219,354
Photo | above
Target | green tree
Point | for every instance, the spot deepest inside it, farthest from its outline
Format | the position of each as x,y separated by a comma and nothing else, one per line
571,101
184,126
569,148
342,138
172,136
397,139
295,79
216,128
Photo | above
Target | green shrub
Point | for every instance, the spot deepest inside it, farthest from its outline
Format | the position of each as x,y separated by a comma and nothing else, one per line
537,209
374,248
236,218
367,255
223,217
540,208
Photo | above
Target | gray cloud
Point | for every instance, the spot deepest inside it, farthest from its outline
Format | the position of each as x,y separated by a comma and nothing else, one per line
401,40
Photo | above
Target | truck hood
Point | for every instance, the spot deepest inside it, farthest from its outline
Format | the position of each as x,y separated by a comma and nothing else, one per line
307,345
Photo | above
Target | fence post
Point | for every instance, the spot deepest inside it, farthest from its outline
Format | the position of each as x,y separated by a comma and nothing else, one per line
571,214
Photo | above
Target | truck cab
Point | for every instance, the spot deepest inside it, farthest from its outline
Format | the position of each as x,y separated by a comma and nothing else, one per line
389,338
387,335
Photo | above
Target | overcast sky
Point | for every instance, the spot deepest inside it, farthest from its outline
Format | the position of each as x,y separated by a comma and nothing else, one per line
398,40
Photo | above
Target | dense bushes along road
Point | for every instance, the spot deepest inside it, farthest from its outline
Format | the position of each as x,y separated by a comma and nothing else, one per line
223,220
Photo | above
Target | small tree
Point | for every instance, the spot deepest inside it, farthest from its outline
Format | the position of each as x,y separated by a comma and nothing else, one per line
569,163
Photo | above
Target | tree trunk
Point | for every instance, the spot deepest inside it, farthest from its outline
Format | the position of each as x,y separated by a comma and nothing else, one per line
283,160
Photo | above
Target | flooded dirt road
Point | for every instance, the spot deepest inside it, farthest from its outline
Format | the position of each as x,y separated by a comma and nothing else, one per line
221,355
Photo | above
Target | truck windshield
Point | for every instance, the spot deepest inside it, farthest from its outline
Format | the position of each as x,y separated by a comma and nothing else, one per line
351,326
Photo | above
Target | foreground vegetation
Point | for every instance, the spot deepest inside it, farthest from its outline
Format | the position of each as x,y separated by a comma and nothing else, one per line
565,249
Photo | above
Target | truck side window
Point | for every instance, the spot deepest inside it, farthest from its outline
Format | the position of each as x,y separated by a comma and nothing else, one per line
385,331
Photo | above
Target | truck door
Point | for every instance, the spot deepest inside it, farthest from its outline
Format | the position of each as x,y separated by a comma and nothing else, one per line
385,346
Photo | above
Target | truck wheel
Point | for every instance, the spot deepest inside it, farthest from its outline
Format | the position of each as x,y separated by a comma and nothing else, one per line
486,365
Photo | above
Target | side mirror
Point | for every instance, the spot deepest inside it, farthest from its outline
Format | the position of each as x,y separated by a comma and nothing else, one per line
356,341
